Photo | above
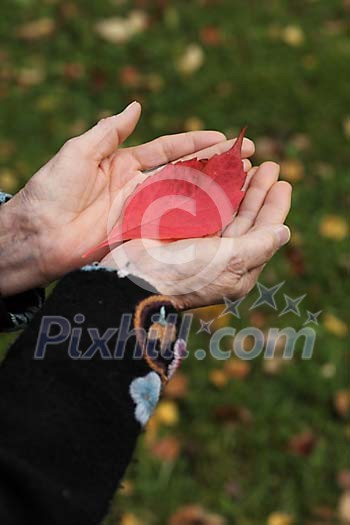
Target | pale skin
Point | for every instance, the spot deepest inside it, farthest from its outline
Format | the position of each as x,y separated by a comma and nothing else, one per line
218,266
63,210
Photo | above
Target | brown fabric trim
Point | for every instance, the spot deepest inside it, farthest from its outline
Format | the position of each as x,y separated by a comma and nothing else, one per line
142,311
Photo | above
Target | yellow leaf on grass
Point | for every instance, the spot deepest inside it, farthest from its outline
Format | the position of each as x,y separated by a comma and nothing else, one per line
334,227
293,36
292,170
236,368
280,518
36,29
218,378
130,519
8,181
195,514
335,325
193,124
167,413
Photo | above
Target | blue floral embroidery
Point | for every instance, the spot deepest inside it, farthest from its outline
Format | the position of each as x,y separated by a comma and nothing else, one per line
96,267
4,197
145,392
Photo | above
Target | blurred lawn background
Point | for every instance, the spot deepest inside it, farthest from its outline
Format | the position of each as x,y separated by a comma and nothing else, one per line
239,442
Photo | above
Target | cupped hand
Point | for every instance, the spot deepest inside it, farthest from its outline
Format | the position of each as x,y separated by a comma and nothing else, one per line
69,202
198,272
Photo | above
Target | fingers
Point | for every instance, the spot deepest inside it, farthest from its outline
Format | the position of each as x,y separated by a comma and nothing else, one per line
104,138
273,212
257,247
276,206
262,180
172,147
250,174
247,165
248,149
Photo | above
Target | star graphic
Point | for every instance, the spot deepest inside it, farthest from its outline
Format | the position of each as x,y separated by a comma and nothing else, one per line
267,295
231,307
292,305
205,326
312,317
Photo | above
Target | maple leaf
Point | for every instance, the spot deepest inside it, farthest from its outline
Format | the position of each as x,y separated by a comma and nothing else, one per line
192,198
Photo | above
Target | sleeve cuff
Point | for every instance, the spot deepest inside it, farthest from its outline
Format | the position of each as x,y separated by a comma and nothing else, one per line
157,325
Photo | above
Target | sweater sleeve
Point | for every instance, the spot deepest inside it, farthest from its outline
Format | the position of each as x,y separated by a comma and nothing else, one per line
76,388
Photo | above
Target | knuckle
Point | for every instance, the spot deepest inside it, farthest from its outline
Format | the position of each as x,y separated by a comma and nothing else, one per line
70,144
73,145
271,244
168,147
237,266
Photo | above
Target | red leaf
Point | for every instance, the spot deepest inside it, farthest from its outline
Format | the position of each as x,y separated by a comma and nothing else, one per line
193,198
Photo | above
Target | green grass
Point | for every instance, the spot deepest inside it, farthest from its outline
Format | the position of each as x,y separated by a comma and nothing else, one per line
254,76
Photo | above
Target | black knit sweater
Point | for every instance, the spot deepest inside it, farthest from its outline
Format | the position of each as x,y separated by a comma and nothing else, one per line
70,419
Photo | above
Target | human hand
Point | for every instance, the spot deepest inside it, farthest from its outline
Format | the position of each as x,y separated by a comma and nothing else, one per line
198,272
65,207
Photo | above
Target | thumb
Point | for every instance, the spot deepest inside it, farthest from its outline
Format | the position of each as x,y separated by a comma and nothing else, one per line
258,246
103,139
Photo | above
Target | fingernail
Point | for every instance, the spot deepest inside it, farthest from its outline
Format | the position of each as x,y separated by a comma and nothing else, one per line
128,108
283,233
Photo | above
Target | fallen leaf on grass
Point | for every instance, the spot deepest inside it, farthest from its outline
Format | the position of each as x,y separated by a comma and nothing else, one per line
324,512
296,259
292,170
210,35
191,60
280,518
130,519
273,366
334,227
8,181
343,479
167,413
177,388
193,124
30,76
118,30
166,449
344,507
342,403
233,414
334,325
301,142
303,444
7,148
258,319
195,515
36,29
218,378
293,35
130,77
236,368
267,148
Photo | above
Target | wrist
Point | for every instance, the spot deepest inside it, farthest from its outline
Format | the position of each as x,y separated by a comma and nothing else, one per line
19,252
